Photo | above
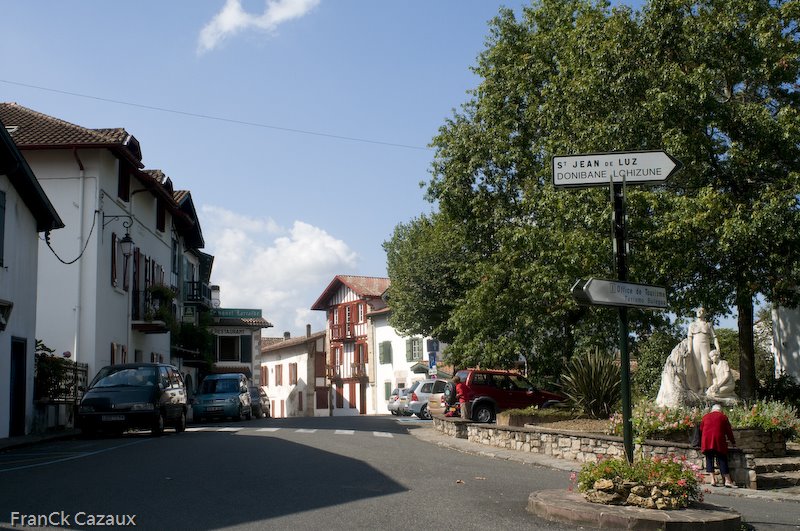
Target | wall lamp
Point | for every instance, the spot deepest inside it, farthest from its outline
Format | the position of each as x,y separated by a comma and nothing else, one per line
126,243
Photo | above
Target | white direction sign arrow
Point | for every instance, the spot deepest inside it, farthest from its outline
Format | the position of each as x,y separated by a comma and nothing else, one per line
597,169
616,293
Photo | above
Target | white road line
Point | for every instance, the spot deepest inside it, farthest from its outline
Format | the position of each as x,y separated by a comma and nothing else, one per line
267,429
228,429
303,430
87,454
201,428
344,432
382,434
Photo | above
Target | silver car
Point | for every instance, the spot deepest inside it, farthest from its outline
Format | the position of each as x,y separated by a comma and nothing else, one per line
418,399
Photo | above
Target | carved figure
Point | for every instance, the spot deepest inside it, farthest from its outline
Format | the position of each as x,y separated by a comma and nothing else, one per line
678,378
723,384
702,340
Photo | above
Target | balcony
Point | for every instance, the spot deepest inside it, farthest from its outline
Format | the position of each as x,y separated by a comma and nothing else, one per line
349,371
150,314
341,332
197,292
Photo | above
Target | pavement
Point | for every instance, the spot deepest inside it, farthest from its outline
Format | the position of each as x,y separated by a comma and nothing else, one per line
463,445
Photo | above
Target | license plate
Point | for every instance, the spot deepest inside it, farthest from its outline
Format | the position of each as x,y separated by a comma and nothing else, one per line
215,408
113,418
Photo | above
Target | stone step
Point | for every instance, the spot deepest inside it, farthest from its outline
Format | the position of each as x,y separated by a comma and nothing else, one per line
778,480
790,463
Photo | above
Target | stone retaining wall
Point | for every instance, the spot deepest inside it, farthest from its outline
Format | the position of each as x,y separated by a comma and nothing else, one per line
585,447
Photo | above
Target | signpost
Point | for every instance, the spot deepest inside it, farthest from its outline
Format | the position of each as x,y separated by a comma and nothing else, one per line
600,169
617,169
612,293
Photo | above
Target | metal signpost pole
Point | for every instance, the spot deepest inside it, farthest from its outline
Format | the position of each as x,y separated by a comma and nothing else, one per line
625,362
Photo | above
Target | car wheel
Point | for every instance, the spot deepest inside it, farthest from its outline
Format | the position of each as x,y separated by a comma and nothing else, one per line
424,414
181,424
483,413
158,425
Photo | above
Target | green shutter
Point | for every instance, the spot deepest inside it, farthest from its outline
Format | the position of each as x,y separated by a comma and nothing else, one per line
246,348
385,349
409,349
387,390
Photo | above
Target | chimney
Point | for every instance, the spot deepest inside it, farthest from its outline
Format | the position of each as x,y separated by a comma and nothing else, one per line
308,330
287,335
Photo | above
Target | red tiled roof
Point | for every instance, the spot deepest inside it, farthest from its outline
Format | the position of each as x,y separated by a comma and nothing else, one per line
284,343
364,287
31,129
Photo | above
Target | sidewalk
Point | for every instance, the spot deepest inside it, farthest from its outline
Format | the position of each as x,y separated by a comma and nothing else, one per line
27,440
463,445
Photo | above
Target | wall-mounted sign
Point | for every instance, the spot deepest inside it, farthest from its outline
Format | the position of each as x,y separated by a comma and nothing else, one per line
236,313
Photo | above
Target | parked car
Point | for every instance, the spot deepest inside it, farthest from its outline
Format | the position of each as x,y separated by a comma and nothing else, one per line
146,396
222,395
419,397
259,402
392,403
399,405
496,390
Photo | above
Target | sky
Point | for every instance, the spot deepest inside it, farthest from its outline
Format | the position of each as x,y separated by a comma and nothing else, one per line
301,127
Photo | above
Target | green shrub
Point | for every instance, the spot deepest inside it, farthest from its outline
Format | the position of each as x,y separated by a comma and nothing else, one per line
591,383
650,354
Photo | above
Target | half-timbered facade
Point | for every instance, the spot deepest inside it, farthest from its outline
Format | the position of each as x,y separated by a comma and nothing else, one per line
346,301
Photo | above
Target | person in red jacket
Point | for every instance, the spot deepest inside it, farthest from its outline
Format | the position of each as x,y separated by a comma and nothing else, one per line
715,428
463,394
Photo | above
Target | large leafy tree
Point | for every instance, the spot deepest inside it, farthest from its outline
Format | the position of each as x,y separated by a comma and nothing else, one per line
713,82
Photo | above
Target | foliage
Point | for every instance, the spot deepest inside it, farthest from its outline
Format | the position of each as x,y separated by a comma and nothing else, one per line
712,83
591,382
544,415
652,421
768,416
651,353
784,389
50,373
196,338
680,477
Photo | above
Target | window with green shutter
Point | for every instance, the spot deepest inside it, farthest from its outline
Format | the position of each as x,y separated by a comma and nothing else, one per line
246,348
414,349
387,390
385,351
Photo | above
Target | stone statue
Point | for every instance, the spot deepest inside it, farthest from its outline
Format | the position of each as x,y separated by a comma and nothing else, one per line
723,386
679,378
702,340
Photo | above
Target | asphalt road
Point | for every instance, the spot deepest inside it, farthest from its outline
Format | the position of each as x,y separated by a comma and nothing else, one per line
304,473
300,473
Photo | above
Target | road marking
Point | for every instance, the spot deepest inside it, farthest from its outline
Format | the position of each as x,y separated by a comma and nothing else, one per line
201,428
344,432
382,434
87,454
229,429
267,429
303,430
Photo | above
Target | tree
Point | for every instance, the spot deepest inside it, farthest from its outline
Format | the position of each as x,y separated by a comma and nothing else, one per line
713,82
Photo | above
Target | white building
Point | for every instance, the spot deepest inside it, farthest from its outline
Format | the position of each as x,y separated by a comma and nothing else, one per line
786,341
25,211
366,356
292,374
101,288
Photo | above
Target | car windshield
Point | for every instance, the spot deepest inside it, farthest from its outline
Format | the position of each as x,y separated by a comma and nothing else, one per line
124,376
224,385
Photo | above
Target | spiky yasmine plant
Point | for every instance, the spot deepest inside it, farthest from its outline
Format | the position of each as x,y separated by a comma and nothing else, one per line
592,383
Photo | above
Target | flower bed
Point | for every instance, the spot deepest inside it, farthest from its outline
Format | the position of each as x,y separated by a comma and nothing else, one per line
653,483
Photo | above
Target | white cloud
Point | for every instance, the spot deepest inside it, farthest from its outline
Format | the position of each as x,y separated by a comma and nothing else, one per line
259,264
233,19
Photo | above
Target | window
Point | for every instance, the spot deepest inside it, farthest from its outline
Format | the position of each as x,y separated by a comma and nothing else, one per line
228,348
161,215
278,374
175,271
360,313
299,402
335,316
347,312
414,349
264,376
124,183
292,374
385,351
2,224
361,353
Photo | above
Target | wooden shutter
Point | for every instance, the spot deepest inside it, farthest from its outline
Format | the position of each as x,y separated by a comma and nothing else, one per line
114,259
385,351
246,348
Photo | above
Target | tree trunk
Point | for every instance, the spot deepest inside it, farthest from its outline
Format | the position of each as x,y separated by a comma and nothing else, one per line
747,358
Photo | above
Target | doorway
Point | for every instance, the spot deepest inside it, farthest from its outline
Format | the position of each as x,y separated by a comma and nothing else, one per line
16,425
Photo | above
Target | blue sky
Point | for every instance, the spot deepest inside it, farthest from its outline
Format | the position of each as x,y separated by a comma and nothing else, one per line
300,126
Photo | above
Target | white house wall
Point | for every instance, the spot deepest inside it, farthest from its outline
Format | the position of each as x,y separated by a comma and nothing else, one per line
284,401
786,341
17,285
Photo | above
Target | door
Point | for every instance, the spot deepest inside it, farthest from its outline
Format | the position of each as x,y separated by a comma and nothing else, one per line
16,426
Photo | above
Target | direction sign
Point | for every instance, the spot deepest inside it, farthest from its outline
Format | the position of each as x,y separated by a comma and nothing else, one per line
615,293
598,169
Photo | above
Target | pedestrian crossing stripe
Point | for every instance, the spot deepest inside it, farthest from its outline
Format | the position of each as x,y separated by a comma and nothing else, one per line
382,434
303,430
344,432
267,429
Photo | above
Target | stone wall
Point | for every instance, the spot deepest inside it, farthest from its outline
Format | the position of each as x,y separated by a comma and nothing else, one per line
761,443
585,447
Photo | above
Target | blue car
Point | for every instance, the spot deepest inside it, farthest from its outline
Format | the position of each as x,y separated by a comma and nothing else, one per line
222,395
